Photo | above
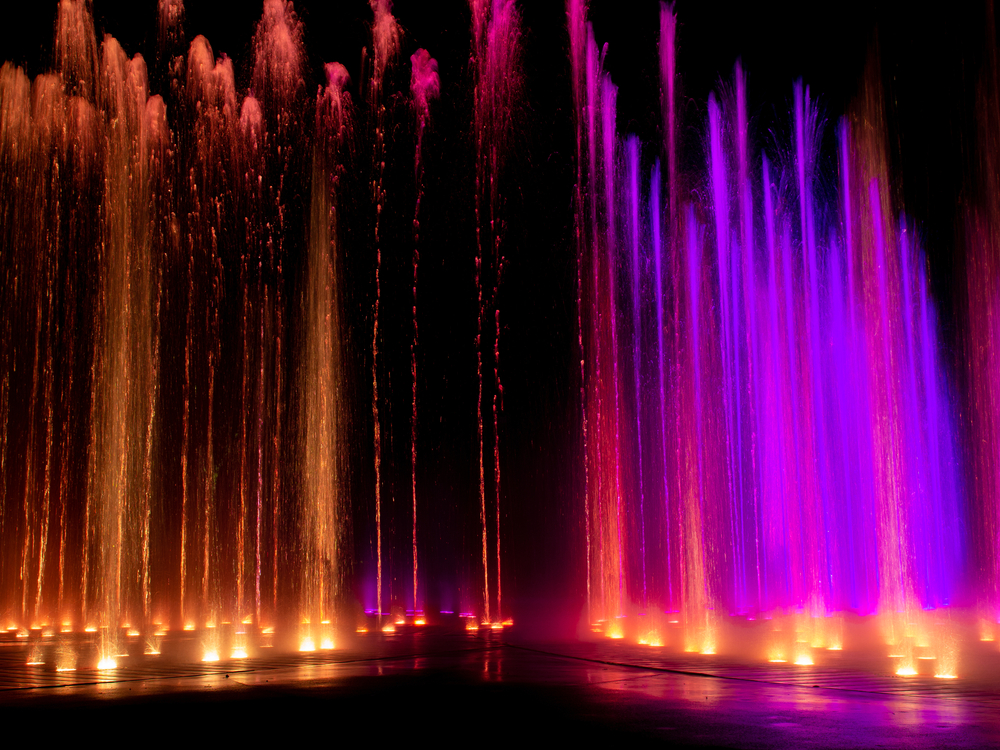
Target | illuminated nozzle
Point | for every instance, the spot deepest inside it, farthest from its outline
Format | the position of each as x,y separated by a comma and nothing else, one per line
906,671
189,626
420,621
107,663
804,661
307,644
210,655
615,631
361,629
946,676
390,628
239,653
471,625
496,625
327,644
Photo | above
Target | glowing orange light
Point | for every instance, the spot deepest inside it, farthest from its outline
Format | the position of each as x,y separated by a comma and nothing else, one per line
327,644
90,629
189,626
247,620
107,663
390,628
906,671
362,629
778,661
307,644
804,661
210,655
420,621
471,625
947,676
133,633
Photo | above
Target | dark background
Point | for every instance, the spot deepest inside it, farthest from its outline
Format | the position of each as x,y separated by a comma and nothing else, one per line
930,64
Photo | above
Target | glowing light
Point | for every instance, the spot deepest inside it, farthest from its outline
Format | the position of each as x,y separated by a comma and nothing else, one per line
107,663
927,657
804,661
708,651
947,676
361,629
420,621
211,655
307,644
496,625
615,631
239,653
390,628
327,644
65,669
471,625
906,671
247,620
835,648
778,661
133,633
189,626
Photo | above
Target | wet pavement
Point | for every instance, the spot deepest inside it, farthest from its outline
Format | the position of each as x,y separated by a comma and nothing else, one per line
471,689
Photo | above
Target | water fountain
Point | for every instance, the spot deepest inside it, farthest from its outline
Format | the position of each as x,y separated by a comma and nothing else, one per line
216,411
